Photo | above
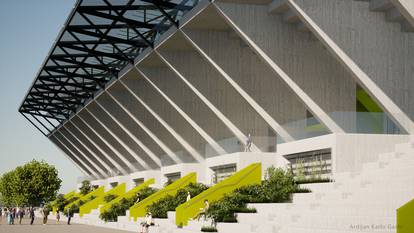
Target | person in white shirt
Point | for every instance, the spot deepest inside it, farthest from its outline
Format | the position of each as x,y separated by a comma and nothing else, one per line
147,223
188,196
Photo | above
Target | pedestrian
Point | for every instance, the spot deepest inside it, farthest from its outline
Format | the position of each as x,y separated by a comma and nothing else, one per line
248,145
32,215
188,196
8,216
20,215
1,215
57,216
69,215
13,216
45,213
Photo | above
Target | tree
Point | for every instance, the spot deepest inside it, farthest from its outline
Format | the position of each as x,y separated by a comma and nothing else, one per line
86,187
33,184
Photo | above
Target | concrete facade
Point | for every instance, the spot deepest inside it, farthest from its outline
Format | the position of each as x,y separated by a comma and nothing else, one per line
290,73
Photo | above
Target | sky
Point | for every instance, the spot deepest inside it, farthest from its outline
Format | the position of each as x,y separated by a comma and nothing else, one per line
27,31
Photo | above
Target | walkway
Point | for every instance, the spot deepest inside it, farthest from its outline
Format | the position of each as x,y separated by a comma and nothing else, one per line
53,227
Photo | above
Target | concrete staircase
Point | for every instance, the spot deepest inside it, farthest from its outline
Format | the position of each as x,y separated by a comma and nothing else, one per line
364,201
356,202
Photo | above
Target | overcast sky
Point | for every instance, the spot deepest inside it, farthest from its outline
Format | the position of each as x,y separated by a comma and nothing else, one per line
27,31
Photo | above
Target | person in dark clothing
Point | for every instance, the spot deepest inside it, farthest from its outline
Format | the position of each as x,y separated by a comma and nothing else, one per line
45,213
20,216
32,215
69,215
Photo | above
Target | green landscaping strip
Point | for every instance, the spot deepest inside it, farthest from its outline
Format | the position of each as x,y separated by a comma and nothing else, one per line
131,193
405,213
85,198
251,174
140,208
95,203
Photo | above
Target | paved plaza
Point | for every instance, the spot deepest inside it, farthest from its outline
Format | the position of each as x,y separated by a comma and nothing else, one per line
52,227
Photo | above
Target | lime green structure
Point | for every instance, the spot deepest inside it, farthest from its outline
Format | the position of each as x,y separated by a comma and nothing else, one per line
140,209
67,196
131,193
251,174
405,218
100,200
97,193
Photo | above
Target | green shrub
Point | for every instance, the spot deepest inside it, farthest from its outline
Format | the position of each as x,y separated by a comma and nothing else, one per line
208,229
160,208
75,207
120,208
85,188
278,186
108,198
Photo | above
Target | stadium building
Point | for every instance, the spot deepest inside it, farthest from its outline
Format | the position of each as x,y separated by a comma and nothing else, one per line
139,89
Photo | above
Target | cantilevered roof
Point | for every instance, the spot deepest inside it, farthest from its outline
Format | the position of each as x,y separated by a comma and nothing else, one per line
99,38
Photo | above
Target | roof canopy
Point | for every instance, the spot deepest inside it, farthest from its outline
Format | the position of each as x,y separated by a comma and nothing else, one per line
99,38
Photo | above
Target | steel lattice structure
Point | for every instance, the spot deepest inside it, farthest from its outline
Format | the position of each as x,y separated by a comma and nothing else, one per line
99,38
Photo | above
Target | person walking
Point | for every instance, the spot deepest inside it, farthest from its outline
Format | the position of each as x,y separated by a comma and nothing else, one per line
188,196
8,216
32,215
45,213
13,216
1,215
20,215
57,216
69,215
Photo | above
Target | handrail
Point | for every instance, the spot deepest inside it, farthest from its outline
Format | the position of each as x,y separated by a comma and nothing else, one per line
97,192
405,213
140,208
127,195
95,203
251,174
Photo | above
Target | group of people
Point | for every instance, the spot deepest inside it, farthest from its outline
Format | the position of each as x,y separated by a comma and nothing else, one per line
12,214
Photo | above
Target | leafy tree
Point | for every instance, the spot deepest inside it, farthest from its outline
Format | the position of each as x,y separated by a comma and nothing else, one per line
85,188
32,184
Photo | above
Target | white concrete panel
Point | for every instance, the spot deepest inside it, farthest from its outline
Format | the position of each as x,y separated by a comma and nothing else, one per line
307,100
236,131
152,135
259,109
373,49
193,124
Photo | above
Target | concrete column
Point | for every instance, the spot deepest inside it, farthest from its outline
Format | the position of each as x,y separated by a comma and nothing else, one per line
117,153
237,132
68,154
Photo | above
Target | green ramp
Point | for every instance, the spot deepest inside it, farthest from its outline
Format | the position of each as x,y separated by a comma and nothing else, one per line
97,192
251,174
127,195
95,203
405,221
140,208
